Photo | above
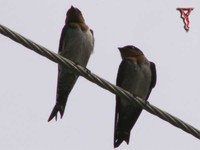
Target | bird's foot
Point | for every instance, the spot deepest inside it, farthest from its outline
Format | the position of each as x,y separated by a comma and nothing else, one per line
146,102
87,70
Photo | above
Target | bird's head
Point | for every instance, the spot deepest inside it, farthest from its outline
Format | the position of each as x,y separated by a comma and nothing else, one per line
74,15
130,51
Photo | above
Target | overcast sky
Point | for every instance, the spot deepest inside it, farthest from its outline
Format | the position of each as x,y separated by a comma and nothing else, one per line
28,80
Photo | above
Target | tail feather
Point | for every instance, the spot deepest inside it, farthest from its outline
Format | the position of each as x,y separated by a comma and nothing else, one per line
66,81
120,138
57,108
126,116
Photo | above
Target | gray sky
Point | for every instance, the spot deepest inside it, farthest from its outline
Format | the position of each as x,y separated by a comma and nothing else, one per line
28,81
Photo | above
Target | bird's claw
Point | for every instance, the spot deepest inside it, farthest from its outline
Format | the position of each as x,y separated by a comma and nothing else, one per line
87,70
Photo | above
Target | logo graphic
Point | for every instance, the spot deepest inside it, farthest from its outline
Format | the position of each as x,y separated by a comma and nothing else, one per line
185,12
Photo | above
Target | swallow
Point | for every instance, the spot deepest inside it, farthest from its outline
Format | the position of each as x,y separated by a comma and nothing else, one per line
76,44
136,75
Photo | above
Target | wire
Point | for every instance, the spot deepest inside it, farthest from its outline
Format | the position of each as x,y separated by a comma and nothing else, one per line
100,81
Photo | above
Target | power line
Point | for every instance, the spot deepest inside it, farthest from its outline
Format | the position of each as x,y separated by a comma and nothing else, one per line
100,81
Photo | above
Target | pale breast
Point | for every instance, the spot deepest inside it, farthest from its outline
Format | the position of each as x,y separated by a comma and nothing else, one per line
137,79
78,45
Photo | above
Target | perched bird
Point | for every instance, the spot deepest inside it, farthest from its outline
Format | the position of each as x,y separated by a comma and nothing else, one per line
76,44
136,75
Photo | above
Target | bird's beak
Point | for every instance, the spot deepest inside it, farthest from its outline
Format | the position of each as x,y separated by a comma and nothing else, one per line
119,48
72,7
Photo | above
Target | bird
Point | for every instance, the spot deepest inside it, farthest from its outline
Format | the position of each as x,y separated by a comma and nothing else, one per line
138,76
76,44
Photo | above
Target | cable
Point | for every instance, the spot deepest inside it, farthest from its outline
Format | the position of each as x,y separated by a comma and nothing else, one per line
99,81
